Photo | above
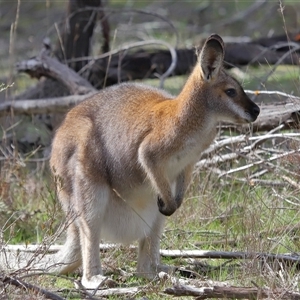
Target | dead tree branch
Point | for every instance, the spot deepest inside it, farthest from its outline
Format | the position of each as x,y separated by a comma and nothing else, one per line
42,106
44,65
118,291
287,259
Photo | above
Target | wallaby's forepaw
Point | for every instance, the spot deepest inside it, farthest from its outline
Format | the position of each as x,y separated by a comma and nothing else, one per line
96,281
166,210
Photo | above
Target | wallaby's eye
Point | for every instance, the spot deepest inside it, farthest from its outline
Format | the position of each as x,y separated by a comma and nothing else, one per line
231,93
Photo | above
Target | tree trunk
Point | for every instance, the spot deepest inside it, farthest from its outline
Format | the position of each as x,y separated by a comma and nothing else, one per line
78,31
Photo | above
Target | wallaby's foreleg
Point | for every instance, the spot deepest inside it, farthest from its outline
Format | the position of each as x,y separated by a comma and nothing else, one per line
182,182
155,173
167,202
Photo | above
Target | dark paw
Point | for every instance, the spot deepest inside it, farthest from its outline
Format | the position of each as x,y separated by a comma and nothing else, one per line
167,211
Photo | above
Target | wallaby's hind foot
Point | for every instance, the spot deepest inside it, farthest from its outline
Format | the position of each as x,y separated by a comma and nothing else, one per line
93,282
97,281
68,259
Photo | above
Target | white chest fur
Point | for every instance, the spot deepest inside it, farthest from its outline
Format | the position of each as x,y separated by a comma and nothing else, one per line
190,153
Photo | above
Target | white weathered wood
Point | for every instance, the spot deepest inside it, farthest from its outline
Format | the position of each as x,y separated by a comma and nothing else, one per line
118,291
41,106
167,253
50,249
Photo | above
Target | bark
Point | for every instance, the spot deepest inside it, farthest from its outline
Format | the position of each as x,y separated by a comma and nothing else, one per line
78,31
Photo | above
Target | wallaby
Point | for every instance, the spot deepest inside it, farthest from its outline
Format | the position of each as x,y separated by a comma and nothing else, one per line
123,159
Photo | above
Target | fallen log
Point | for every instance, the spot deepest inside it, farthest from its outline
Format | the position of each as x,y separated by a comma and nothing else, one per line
284,258
41,106
44,65
175,253
231,292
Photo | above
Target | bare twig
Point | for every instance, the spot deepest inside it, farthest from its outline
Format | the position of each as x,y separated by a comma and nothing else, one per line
259,92
280,60
110,11
243,14
274,157
291,182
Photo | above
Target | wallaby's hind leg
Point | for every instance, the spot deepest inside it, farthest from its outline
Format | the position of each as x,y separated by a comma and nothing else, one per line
90,239
69,258
90,217
149,257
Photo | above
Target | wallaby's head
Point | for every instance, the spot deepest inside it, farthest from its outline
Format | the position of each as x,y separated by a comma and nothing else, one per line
225,97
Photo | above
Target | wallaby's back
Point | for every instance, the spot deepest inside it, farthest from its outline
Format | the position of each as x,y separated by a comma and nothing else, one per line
104,133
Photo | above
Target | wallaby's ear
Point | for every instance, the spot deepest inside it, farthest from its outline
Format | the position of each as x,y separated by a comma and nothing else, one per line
211,57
